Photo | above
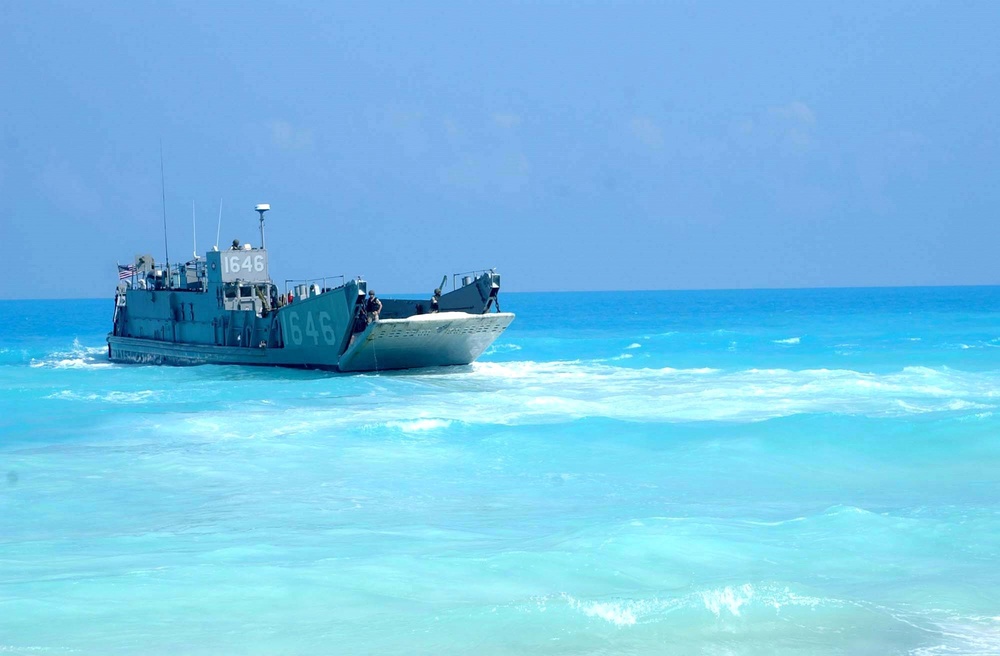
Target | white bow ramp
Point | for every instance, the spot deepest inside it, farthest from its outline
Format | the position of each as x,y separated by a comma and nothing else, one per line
425,340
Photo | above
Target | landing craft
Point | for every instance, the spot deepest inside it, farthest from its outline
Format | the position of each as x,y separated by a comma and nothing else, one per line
224,309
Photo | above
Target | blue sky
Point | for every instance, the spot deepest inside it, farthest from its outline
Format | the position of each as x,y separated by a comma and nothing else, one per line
574,146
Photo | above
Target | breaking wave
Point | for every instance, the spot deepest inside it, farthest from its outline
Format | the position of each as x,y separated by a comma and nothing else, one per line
143,396
728,601
527,390
532,393
419,425
943,632
78,357
502,348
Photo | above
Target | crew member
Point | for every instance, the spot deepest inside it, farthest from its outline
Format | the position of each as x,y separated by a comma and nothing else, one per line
436,301
372,307
236,245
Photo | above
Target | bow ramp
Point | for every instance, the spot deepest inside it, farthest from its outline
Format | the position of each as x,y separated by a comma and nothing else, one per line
425,340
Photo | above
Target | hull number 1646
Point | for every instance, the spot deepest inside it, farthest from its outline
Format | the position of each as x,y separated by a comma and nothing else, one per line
309,330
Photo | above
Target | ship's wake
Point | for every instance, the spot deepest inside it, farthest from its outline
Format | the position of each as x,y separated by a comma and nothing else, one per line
77,356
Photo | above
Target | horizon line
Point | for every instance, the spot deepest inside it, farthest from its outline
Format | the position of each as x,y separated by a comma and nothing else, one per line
616,291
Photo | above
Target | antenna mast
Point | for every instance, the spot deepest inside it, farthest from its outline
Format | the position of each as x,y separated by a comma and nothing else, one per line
163,198
218,229
194,232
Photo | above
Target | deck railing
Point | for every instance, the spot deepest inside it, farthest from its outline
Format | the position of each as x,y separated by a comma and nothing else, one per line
296,283
467,277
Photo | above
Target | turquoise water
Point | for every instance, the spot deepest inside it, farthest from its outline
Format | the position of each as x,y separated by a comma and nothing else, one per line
754,472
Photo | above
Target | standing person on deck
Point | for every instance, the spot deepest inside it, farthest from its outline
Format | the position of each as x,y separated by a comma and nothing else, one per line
372,307
436,301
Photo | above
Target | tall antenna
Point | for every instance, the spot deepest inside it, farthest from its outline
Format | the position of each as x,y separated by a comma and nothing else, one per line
194,232
163,198
218,229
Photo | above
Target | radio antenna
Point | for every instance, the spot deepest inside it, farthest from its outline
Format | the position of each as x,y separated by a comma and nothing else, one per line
194,232
218,229
163,198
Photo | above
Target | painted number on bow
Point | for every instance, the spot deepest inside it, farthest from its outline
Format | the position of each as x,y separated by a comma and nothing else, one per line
324,334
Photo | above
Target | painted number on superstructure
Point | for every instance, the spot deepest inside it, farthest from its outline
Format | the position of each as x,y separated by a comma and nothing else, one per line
309,334
241,263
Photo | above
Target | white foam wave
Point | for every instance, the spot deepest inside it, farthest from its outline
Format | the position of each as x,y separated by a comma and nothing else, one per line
966,636
502,348
834,511
979,345
141,396
790,340
727,601
79,357
735,599
418,425
523,393
603,390
727,598
21,650
634,345
70,363
619,613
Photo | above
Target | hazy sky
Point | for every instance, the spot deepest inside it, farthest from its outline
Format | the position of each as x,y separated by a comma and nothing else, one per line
572,145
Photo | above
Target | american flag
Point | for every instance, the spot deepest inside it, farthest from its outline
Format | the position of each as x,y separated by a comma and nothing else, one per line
126,271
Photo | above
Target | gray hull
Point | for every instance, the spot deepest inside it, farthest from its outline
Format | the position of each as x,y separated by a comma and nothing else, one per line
446,338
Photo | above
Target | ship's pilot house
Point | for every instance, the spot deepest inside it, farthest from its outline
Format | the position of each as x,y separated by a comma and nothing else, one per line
240,279
239,276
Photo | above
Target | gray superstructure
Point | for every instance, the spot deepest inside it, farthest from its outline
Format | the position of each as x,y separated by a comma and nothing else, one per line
224,309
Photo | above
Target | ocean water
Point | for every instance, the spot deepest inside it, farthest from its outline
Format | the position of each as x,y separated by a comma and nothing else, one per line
752,472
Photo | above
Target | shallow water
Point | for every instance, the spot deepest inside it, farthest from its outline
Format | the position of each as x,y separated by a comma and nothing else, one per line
757,472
